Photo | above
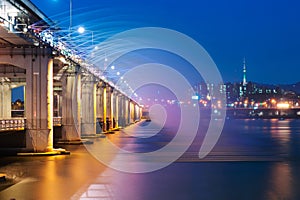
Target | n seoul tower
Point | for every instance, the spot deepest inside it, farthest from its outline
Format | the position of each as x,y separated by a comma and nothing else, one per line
244,72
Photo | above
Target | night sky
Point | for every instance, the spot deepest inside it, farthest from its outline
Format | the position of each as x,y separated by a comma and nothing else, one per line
266,33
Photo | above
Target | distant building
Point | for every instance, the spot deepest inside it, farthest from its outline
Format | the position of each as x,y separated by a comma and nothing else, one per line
246,94
243,87
232,92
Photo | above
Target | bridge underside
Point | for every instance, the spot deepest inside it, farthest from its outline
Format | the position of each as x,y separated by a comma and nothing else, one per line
57,91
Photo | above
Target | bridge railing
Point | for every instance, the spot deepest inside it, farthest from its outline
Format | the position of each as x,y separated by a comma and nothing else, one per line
17,124
57,121
12,124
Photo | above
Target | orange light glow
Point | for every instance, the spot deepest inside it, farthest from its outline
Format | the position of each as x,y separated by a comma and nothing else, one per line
283,105
273,101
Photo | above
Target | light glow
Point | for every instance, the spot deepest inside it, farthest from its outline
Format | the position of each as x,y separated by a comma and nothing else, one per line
195,97
81,30
283,105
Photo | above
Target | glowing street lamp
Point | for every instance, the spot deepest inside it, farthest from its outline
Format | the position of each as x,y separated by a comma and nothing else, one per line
81,30
70,15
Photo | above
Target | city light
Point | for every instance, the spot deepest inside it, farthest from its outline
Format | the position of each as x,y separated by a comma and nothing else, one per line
195,97
283,105
273,101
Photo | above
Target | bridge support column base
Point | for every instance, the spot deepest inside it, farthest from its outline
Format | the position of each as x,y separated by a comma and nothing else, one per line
70,133
88,129
39,140
74,142
54,152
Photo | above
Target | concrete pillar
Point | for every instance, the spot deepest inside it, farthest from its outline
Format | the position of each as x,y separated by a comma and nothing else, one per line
127,112
121,121
111,114
131,112
104,96
5,99
140,112
71,103
136,112
88,112
116,115
99,109
39,103
123,111
109,107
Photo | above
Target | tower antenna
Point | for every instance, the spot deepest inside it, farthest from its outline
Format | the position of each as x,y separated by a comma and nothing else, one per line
244,72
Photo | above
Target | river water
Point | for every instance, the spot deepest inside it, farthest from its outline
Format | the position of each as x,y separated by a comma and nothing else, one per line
253,159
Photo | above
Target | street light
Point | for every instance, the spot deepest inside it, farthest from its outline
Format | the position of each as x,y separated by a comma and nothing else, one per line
70,28
81,30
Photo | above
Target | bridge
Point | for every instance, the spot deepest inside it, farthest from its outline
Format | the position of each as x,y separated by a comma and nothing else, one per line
60,88
264,113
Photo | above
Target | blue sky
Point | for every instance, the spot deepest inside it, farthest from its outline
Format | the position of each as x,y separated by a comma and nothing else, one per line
265,32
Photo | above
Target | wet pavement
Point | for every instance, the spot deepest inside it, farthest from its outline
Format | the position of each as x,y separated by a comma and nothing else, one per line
254,159
53,177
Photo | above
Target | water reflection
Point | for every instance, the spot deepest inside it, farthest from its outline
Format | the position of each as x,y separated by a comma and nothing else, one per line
281,130
242,140
280,182
213,181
